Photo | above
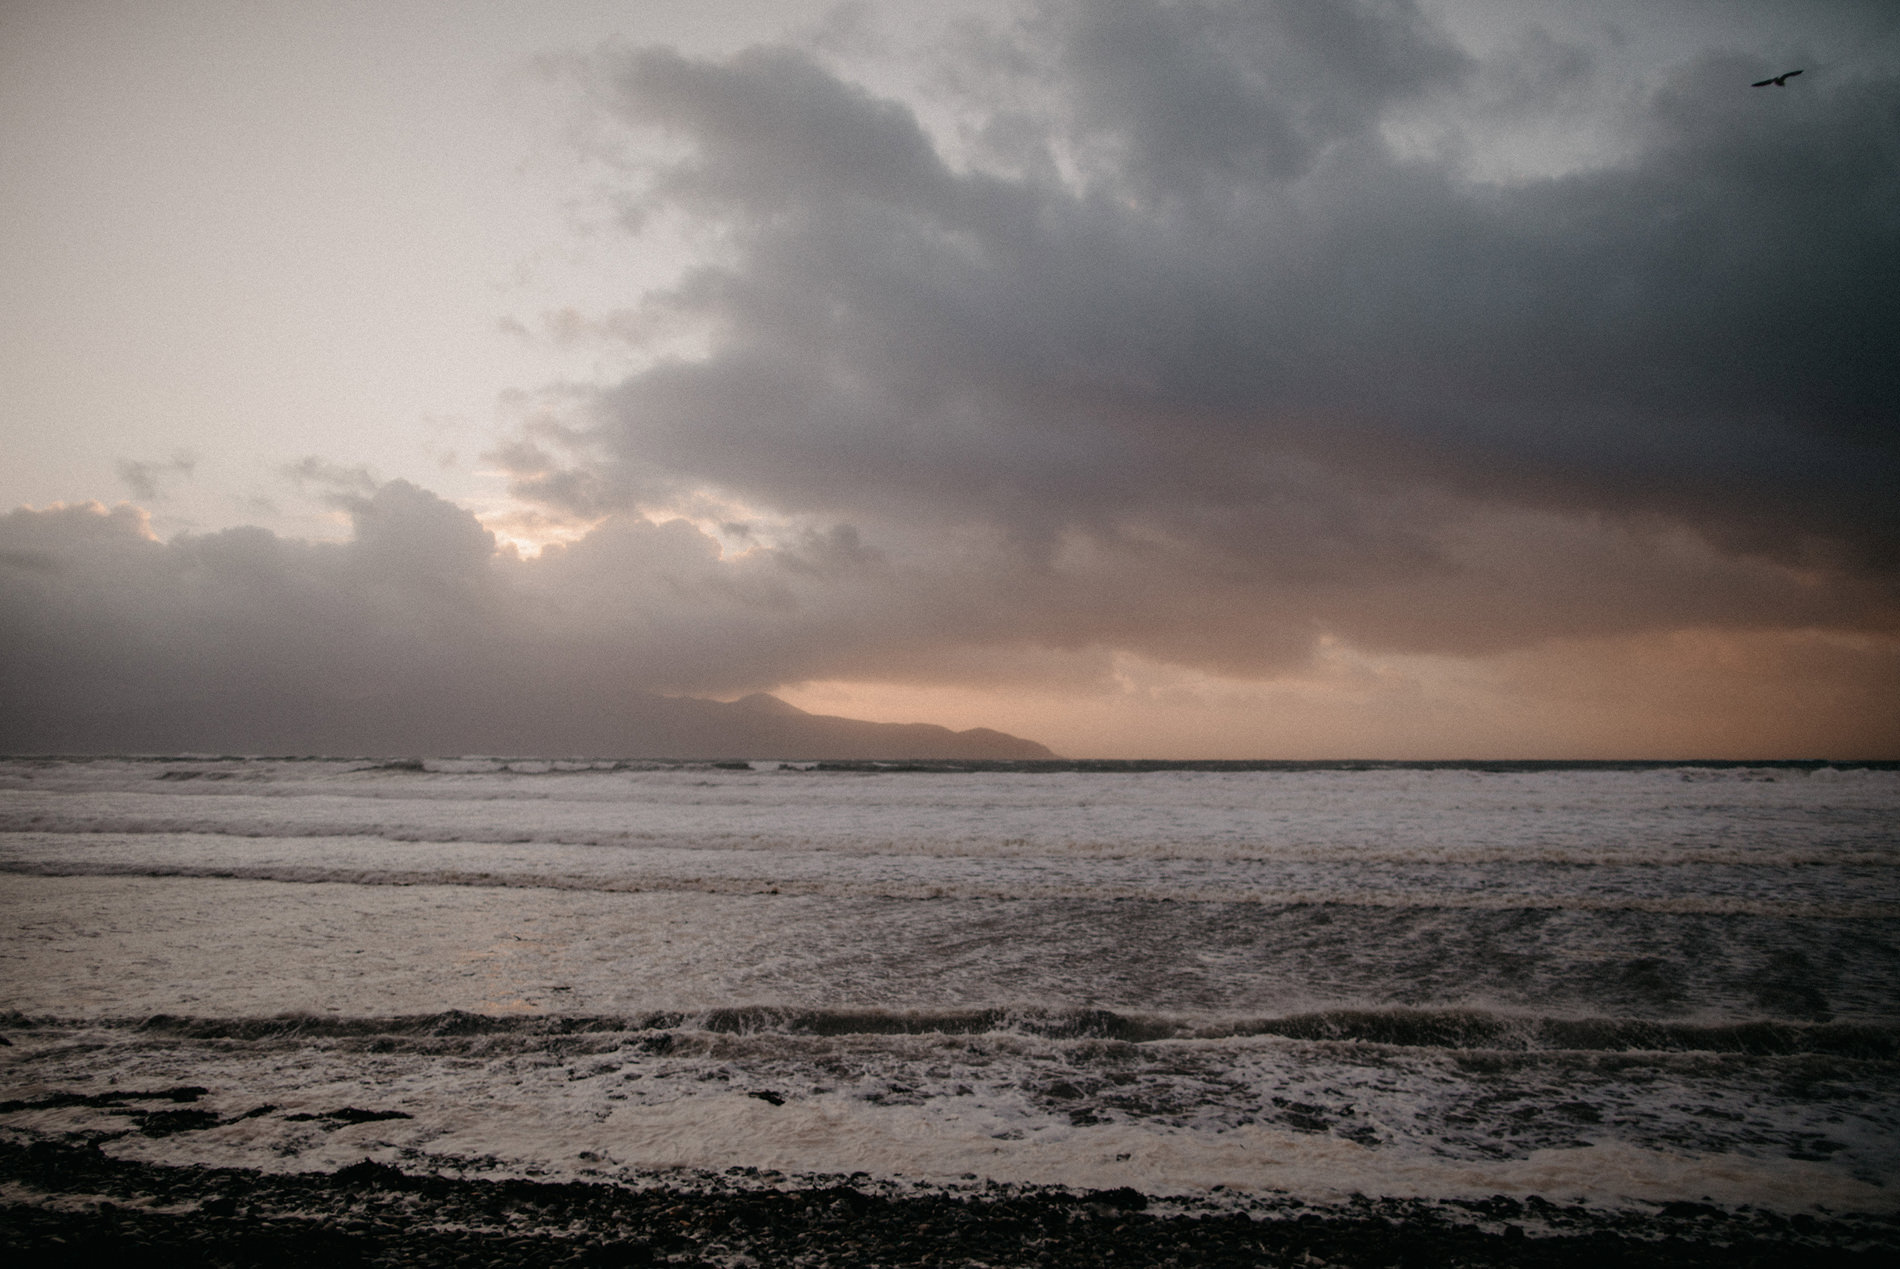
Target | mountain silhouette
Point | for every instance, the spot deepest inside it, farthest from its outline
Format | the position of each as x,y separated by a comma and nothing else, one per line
499,721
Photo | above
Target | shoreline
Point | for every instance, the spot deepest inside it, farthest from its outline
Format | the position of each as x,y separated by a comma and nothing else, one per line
63,1202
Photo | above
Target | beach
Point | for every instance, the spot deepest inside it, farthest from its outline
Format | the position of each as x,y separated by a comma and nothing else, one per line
507,1011
372,1214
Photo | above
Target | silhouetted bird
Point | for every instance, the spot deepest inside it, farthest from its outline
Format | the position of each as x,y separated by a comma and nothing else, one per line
1779,81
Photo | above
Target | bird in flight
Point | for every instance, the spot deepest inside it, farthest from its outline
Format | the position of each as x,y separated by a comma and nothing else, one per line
1779,81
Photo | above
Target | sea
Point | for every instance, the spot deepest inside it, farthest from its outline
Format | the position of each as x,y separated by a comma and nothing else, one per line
1616,985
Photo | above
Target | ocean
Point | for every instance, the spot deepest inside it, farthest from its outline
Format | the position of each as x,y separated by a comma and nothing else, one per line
1606,988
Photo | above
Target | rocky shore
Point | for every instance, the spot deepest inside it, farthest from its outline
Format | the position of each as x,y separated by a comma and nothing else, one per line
67,1204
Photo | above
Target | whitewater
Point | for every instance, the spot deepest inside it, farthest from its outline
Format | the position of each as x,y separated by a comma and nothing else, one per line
1612,985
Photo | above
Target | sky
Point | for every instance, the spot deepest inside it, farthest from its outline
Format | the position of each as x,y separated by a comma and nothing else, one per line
1435,379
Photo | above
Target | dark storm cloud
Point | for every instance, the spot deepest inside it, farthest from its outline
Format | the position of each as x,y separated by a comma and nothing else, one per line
1202,343
415,633
229,634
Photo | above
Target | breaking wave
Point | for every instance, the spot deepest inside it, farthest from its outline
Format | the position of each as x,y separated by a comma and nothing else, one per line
1464,1030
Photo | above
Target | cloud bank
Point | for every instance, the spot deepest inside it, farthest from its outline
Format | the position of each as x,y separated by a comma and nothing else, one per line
1213,335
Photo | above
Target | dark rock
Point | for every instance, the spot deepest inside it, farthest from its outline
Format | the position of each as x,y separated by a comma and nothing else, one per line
371,1174
1123,1197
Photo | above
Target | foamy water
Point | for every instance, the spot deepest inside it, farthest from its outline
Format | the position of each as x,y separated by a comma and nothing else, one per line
1615,985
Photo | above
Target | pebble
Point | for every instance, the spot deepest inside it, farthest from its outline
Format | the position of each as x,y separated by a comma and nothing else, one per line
374,1214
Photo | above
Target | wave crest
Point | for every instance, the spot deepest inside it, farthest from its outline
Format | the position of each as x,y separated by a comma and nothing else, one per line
1467,1030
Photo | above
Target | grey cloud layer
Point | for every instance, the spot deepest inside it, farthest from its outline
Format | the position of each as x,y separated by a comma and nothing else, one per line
415,634
413,631
1247,328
